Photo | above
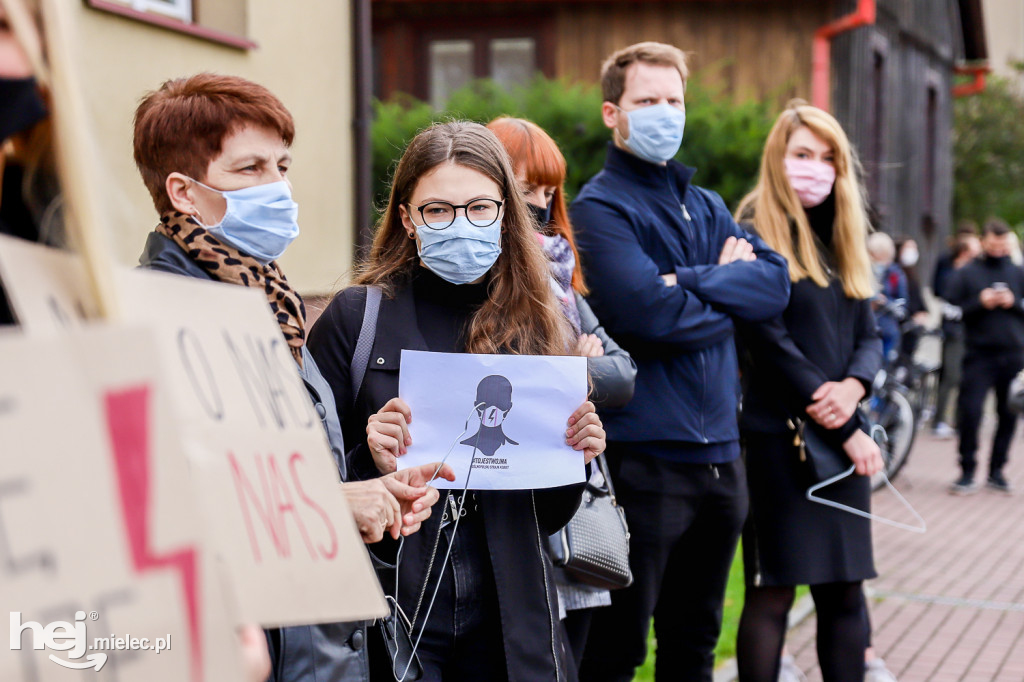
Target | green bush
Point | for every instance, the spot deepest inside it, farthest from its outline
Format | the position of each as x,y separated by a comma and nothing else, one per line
723,140
988,153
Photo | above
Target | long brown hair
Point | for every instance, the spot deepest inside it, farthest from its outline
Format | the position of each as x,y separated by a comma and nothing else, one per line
521,314
774,203
534,152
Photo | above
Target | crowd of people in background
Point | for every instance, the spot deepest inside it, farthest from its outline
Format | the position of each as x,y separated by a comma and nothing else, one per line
668,295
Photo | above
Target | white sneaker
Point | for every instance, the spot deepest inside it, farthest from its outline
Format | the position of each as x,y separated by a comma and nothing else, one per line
788,672
875,671
944,431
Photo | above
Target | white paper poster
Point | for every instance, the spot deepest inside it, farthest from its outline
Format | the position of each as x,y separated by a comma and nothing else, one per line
507,414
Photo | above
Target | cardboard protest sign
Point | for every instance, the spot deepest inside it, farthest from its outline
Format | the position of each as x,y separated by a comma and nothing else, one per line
268,487
49,296
506,414
83,580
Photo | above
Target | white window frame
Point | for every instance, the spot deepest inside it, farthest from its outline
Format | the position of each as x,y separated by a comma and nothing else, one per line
177,9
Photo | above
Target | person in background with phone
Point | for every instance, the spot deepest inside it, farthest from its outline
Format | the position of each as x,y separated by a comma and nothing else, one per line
989,290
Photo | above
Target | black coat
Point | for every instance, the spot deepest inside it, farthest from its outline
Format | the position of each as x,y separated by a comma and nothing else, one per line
821,336
516,523
302,653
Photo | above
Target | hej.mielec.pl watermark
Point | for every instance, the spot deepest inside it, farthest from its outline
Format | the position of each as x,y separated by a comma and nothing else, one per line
73,638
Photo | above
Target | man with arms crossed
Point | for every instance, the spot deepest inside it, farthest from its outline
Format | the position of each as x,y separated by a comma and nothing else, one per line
669,269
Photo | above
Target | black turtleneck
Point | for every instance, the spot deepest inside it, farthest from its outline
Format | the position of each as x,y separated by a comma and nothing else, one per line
443,309
821,218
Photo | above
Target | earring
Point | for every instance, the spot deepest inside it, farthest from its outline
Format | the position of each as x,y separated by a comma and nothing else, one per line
412,235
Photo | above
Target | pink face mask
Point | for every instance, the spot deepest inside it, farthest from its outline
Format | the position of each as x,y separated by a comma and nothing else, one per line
811,180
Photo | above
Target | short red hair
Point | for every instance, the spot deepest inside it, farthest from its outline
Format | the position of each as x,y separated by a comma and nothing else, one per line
534,152
181,127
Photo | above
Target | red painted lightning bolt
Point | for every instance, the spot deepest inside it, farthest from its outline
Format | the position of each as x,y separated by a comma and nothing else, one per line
127,421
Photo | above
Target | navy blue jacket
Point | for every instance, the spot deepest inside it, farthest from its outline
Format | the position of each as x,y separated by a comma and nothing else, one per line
635,221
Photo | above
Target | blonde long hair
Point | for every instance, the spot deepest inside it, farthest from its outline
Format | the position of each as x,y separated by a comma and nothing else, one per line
521,314
773,204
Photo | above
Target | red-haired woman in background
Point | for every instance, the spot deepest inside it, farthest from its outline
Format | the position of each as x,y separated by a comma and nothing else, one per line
540,170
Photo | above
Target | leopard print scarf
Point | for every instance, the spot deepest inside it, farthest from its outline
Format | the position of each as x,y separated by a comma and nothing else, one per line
228,264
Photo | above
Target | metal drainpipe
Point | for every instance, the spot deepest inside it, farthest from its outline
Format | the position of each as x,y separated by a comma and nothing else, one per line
362,119
976,86
821,49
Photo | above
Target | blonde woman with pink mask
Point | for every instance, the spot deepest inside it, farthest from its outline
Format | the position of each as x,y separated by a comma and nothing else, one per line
814,364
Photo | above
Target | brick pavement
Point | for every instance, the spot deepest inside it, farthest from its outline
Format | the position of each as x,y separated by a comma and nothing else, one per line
947,605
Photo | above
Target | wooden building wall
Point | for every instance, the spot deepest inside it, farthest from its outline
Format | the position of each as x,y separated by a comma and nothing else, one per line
892,92
755,48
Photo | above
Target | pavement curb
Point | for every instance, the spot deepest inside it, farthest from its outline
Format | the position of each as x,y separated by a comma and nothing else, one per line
804,607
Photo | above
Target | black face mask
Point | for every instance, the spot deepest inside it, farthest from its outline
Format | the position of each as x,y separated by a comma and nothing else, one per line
543,215
21,107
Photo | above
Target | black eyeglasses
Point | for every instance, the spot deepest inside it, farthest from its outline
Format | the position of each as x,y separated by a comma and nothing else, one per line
437,215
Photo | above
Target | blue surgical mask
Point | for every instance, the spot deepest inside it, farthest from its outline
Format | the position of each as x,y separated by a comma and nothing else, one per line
461,252
655,132
261,221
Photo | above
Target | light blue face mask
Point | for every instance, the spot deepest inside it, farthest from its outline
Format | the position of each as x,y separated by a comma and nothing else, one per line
655,132
261,221
461,252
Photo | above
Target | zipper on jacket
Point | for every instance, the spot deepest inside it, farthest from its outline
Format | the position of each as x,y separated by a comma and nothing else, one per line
689,223
757,561
548,588
703,395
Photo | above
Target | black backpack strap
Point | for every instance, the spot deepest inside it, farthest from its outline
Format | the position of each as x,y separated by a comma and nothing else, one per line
364,344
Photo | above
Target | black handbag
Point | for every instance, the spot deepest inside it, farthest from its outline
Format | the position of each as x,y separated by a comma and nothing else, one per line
593,548
393,633
823,459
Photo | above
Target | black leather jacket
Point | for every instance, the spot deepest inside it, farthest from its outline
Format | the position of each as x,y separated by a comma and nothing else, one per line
302,653
613,375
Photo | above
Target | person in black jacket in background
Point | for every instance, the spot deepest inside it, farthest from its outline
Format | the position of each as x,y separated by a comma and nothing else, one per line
990,291
964,249
204,145
813,363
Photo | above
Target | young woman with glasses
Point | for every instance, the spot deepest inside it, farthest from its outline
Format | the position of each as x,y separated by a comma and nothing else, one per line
460,271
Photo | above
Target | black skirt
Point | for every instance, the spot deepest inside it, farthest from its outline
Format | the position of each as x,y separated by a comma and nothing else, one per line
789,540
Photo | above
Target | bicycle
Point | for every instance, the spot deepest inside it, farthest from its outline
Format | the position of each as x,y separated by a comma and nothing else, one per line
920,377
890,408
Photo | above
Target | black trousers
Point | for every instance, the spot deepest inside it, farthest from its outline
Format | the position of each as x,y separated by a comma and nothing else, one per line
684,522
950,375
983,370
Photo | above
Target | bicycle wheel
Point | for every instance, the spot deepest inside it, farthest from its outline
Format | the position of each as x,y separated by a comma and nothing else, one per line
895,414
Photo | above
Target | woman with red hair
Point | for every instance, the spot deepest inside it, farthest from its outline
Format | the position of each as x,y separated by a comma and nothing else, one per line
540,171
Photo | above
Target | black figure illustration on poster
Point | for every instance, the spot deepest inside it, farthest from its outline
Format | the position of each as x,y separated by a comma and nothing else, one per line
493,401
